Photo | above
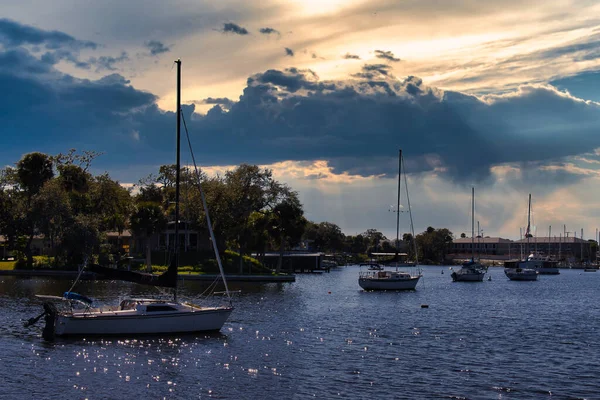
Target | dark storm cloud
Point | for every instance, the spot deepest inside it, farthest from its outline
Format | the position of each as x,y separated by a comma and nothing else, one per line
357,125
56,111
157,47
59,46
269,31
230,27
354,125
13,34
289,52
386,55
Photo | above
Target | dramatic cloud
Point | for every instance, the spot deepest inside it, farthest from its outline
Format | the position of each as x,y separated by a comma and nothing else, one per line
107,62
386,55
372,71
54,57
289,52
89,114
349,56
223,101
13,34
157,47
269,31
230,27
59,45
354,125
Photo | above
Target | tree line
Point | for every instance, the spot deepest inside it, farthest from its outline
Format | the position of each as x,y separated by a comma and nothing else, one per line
58,197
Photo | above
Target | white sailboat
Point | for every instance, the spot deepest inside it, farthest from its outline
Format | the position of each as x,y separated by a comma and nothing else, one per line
138,316
388,279
521,270
471,271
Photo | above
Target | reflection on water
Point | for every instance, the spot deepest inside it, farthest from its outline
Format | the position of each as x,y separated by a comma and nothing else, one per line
323,337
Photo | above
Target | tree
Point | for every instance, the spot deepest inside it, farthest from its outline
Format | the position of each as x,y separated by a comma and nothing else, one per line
287,224
387,246
79,240
355,244
409,244
11,215
76,182
325,236
147,220
249,189
52,209
375,238
462,235
33,171
434,244
111,203
150,193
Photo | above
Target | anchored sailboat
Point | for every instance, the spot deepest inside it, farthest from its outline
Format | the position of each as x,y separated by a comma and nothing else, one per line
392,280
138,316
471,271
521,270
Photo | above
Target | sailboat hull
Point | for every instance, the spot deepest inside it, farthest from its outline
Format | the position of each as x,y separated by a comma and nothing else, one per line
386,280
134,322
518,274
548,271
467,277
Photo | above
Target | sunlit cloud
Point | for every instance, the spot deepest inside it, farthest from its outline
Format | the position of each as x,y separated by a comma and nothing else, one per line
472,96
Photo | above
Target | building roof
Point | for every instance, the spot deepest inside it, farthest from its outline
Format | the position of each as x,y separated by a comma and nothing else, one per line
552,240
482,240
532,240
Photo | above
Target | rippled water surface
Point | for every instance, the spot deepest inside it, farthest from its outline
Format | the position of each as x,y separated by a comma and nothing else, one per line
323,337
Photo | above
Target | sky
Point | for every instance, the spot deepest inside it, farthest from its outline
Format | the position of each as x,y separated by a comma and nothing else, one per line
502,96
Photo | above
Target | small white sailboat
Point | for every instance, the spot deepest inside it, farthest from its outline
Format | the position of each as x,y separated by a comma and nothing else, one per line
75,315
471,271
388,279
520,270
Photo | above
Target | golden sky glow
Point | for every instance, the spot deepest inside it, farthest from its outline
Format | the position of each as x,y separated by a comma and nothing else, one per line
496,50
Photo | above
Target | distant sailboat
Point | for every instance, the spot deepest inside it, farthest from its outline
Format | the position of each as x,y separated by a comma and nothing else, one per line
471,271
520,270
386,279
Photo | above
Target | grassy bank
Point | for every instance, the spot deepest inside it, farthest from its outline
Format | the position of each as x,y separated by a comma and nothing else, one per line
7,265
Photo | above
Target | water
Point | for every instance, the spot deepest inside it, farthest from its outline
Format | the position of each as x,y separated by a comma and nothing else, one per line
322,337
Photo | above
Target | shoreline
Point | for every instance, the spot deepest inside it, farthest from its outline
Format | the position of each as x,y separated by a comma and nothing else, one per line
181,277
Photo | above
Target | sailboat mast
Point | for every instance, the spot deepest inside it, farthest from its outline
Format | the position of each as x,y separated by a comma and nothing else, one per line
581,244
177,174
528,232
398,205
472,224
549,241
479,241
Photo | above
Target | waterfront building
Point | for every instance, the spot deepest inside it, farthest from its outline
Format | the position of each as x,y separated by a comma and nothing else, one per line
497,248
481,247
